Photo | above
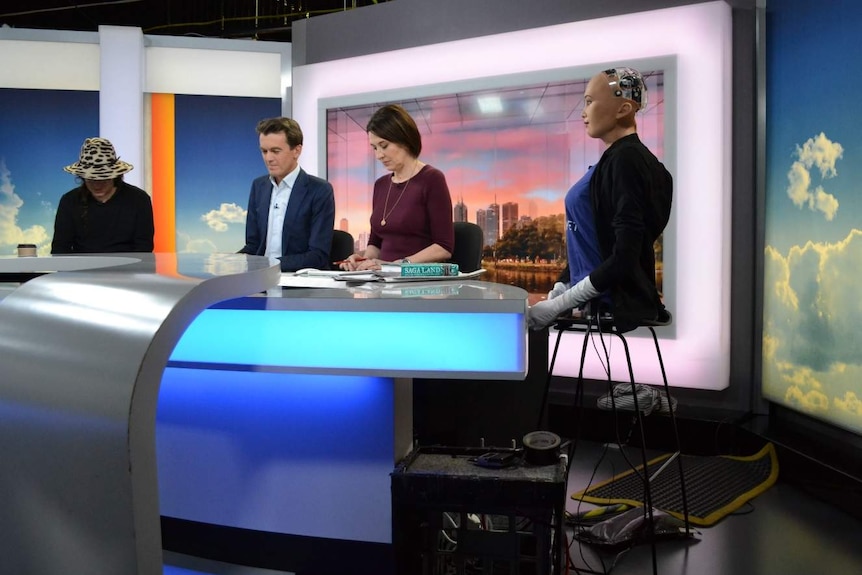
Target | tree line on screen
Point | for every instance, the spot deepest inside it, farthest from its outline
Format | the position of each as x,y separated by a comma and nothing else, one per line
540,240
543,241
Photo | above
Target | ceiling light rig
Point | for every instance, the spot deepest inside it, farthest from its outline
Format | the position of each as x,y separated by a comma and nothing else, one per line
257,19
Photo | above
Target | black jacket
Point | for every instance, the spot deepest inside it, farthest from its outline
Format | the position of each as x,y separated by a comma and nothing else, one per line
122,224
631,194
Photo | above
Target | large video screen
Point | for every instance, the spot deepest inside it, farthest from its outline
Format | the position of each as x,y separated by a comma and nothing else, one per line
509,155
690,46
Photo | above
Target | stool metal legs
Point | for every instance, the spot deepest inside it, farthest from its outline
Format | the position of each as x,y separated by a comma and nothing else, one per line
587,329
639,417
676,455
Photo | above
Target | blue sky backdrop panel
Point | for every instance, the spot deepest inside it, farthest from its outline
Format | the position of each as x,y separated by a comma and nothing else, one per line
813,251
40,132
217,157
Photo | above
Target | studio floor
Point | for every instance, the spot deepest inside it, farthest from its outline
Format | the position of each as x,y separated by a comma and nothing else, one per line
783,531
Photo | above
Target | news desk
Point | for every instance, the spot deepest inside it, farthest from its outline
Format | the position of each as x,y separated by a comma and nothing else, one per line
188,393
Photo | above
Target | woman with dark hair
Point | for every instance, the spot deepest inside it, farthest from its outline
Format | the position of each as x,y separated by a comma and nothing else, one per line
103,214
411,209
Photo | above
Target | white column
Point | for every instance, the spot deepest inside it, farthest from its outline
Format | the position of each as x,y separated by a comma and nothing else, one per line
121,95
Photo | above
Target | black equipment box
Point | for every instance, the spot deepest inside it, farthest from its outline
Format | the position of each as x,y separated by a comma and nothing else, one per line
456,511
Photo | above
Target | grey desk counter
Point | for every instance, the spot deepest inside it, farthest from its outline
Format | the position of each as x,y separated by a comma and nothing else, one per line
267,413
82,350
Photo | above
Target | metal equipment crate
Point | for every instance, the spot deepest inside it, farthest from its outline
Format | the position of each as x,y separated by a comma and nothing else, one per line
453,517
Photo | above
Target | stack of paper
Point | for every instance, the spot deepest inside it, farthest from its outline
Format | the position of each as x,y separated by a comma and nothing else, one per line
334,278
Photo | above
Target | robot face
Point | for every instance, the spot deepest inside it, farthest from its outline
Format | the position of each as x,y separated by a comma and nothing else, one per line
629,84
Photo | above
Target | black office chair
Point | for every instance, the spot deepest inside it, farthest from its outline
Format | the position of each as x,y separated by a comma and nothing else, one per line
599,323
342,246
469,243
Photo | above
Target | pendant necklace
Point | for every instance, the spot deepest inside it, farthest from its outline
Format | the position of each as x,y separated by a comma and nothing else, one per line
388,213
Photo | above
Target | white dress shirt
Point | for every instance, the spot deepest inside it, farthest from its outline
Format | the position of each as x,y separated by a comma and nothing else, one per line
277,209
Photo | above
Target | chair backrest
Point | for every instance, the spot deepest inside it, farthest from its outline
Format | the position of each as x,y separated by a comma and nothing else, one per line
469,244
342,246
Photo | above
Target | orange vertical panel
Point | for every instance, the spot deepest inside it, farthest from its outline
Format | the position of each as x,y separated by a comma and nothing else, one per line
164,173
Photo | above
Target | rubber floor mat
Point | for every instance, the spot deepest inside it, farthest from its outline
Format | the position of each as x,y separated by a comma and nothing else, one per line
715,485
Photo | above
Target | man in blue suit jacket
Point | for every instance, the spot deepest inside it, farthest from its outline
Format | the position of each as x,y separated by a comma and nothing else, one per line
291,214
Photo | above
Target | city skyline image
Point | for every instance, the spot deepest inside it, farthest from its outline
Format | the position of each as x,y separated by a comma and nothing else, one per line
509,156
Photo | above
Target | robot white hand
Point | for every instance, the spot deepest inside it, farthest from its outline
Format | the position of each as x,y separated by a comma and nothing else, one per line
558,290
543,313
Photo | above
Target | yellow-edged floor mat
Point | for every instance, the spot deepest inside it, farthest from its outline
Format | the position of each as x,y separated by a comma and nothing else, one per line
715,486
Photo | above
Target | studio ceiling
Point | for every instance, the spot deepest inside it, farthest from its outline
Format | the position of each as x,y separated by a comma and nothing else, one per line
247,19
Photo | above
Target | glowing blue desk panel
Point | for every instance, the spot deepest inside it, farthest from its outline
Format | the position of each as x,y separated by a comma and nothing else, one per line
286,413
475,330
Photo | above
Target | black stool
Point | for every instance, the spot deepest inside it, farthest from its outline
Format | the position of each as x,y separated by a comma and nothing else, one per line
598,322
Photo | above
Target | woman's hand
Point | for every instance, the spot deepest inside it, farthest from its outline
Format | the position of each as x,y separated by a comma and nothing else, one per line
351,262
357,262
368,264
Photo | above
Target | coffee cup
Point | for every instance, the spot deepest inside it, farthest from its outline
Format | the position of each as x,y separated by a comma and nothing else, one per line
26,250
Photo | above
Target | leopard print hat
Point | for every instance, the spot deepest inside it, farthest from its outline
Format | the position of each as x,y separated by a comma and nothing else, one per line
98,161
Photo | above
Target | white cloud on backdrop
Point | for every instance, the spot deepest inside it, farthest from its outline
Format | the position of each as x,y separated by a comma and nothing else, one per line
227,213
10,205
187,244
811,331
822,154
812,313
